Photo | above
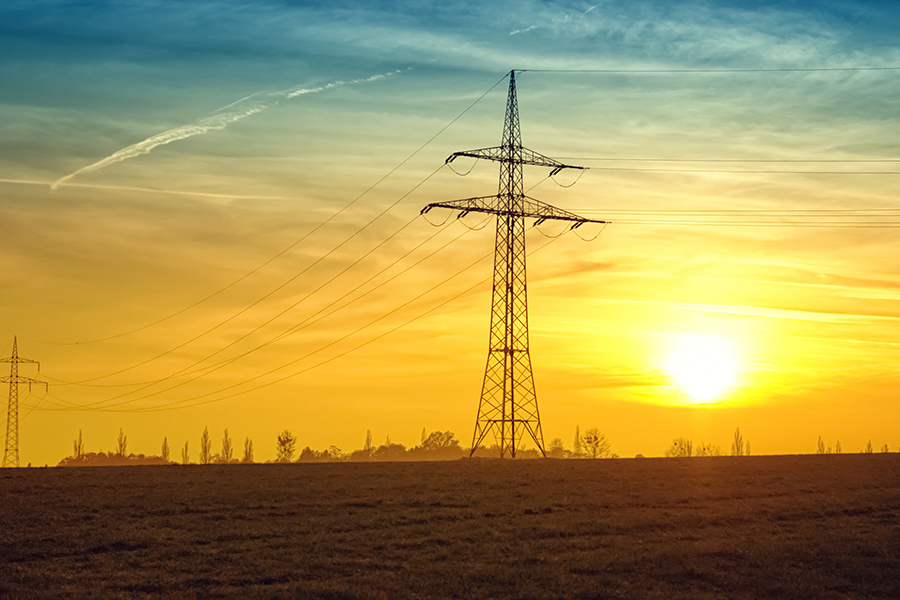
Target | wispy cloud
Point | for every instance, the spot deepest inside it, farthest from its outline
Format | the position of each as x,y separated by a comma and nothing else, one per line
220,119
518,31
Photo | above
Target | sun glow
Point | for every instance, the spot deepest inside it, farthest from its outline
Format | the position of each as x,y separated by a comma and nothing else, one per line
703,364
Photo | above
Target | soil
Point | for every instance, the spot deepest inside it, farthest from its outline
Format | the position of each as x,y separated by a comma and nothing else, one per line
719,527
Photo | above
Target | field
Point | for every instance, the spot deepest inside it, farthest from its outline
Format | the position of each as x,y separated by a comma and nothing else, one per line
748,527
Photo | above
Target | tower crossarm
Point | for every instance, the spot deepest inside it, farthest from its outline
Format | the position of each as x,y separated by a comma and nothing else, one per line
527,157
531,208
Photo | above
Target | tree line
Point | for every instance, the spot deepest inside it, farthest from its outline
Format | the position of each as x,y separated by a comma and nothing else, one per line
684,447
836,449
437,445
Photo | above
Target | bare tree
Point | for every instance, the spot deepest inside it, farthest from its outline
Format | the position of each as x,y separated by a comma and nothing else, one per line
595,444
837,447
820,446
368,447
885,448
577,446
122,444
227,449
737,446
285,446
869,448
164,453
681,447
205,447
248,451
185,457
79,447
707,449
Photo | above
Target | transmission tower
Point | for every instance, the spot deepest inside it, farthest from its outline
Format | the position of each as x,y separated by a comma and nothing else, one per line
11,452
508,407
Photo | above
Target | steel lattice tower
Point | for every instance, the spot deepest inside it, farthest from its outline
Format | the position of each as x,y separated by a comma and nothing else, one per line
11,452
508,405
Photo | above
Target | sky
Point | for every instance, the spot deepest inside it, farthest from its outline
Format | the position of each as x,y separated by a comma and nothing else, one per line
209,218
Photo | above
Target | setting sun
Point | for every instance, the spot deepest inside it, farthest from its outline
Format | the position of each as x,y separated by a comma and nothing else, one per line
703,364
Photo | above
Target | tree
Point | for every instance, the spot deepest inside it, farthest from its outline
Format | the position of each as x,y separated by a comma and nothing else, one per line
285,446
227,449
205,447
164,452
869,448
595,444
185,457
885,448
837,447
248,451
820,446
681,447
122,444
577,448
79,447
747,449
367,447
737,446
706,449
556,449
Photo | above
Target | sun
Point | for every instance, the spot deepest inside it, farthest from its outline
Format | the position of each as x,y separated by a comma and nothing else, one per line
703,364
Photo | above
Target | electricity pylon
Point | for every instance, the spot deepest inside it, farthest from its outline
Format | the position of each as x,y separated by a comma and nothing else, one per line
508,405
11,452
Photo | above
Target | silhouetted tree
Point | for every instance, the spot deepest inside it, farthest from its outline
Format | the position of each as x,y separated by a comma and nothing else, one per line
747,449
185,457
227,449
706,449
248,451
285,447
79,447
595,444
164,452
368,447
869,448
737,446
390,452
681,447
556,449
885,448
122,444
424,436
820,446
837,447
205,447
577,447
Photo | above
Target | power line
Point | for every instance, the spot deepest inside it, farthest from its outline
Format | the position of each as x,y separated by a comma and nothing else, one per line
294,329
728,160
726,70
292,245
759,171
271,292
359,346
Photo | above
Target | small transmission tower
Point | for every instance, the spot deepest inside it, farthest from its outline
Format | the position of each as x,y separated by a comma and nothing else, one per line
11,452
508,405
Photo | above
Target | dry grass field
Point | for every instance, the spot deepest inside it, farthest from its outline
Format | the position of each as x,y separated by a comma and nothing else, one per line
754,527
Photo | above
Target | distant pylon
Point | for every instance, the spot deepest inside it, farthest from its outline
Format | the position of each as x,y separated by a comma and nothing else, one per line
508,405
11,453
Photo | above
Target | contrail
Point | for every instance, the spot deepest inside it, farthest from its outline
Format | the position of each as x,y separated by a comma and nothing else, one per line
220,119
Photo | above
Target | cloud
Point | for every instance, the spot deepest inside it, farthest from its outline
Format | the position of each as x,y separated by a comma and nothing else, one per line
220,119
518,31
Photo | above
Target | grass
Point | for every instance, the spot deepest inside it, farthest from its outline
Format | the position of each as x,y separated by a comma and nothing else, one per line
749,527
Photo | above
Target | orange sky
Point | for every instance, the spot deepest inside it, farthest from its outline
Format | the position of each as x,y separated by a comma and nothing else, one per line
811,311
